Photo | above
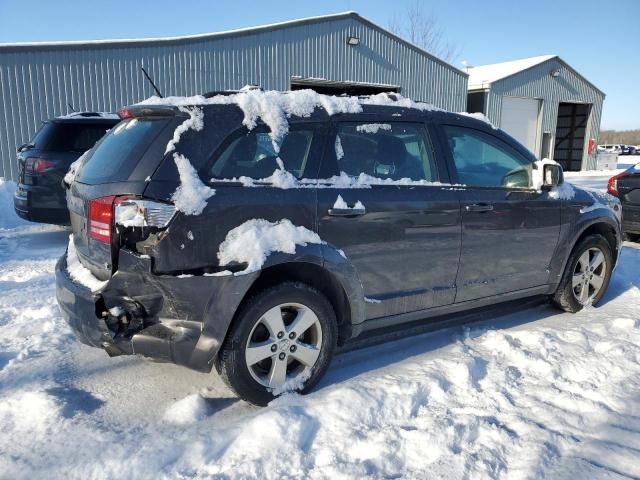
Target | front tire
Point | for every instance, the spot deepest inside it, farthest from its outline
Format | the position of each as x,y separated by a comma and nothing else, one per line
282,339
586,276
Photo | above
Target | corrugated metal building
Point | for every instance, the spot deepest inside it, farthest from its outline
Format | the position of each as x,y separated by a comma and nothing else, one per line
335,53
544,103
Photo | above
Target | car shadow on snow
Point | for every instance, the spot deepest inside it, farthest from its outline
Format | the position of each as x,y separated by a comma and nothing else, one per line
75,400
398,344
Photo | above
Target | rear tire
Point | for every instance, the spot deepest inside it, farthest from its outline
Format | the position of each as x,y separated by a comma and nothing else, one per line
284,336
586,276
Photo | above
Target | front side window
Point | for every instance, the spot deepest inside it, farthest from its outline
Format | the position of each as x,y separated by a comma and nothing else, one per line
483,160
385,150
252,155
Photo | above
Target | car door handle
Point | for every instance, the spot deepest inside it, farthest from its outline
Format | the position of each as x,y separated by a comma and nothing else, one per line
479,207
347,212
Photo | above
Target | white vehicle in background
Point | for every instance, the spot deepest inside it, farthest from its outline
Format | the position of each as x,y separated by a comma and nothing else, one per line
610,148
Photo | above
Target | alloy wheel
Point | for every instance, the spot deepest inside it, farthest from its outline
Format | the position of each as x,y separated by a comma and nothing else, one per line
284,345
589,275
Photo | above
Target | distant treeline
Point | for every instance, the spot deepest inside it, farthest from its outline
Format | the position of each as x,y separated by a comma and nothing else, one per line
627,137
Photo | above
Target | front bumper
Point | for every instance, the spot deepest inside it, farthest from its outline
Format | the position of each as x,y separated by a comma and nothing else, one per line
172,319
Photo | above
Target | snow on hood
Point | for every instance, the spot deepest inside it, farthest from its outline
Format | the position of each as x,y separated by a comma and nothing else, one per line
255,239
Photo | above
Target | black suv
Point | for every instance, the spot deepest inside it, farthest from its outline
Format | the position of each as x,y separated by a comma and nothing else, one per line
626,186
44,161
378,214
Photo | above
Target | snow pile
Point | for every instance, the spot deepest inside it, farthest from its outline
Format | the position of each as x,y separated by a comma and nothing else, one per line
534,393
74,169
373,128
284,179
254,240
273,107
8,217
191,195
188,410
340,204
79,272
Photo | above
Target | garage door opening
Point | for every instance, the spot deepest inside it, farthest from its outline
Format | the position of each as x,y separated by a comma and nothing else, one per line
570,135
329,87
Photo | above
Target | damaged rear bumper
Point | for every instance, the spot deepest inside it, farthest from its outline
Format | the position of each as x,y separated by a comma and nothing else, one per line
163,317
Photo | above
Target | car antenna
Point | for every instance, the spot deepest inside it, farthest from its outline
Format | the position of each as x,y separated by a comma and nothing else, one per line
151,82
71,107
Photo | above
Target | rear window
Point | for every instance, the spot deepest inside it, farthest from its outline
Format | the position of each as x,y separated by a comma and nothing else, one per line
118,153
69,137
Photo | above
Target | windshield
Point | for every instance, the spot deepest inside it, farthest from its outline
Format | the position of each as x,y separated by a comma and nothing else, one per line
118,153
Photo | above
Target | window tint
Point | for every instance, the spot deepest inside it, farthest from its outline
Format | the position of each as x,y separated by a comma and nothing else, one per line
385,150
69,137
485,161
252,155
118,153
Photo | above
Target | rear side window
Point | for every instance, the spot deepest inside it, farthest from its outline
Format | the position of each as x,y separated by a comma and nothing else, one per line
69,137
385,150
483,160
252,155
118,153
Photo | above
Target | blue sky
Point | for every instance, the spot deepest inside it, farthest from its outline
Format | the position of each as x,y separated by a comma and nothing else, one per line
599,39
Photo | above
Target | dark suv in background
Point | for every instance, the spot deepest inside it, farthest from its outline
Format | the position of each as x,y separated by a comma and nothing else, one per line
44,161
381,216
626,186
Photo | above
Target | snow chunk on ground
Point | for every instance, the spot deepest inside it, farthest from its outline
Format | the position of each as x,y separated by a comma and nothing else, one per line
340,204
79,272
255,239
192,195
373,128
74,169
188,410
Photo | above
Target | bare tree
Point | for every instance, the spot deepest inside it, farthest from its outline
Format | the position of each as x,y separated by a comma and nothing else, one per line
423,29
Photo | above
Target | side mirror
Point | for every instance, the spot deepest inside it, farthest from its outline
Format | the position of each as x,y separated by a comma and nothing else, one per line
552,176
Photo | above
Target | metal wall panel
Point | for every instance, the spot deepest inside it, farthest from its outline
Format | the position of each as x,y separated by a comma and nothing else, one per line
537,82
40,81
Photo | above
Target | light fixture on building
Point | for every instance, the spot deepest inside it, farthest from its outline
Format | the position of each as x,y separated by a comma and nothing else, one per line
353,41
555,73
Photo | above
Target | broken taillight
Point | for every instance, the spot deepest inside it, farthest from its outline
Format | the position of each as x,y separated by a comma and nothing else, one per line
101,218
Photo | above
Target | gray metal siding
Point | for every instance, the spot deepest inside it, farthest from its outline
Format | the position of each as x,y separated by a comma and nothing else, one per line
537,82
38,82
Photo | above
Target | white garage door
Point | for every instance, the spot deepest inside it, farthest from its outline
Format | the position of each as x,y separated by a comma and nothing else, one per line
520,120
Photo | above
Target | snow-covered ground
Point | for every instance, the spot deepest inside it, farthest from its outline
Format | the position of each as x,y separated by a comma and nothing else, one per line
528,394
